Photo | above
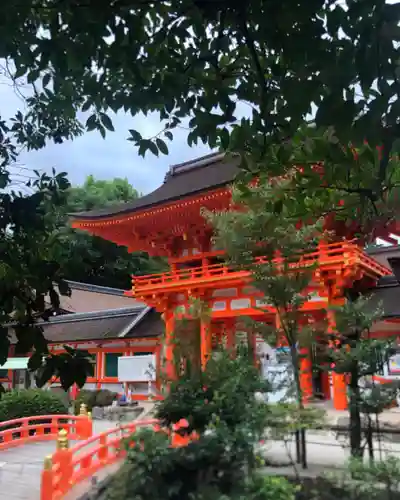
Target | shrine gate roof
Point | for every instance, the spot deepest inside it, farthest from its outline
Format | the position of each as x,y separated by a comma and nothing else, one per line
189,178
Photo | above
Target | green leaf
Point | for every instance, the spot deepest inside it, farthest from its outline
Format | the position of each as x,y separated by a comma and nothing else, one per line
46,79
35,361
169,135
225,139
153,148
162,146
44,373
21,70
106,120
135,136
86,105
91,122
102,130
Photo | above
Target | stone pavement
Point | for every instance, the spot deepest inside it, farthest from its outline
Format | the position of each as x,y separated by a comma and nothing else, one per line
21,467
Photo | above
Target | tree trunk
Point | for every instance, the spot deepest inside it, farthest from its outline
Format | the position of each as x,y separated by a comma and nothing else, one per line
250,346
301,445
355,414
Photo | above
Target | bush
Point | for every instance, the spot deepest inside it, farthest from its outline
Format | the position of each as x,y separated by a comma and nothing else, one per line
104,397
100,397
212,468
30,402
220,404
224,390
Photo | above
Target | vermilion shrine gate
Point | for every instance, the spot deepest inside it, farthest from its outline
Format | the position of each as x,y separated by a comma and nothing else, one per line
168,222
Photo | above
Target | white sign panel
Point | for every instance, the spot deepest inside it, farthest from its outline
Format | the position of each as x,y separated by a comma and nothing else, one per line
137,368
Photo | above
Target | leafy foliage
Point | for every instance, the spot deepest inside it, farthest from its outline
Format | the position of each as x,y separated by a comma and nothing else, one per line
358,481
29,402
71,366
216,394
355,353
264,236
212,468
279,58
96,193
204,62
32,276
222,463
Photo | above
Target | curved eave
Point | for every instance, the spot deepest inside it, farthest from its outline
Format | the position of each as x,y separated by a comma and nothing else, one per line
154,212
185,180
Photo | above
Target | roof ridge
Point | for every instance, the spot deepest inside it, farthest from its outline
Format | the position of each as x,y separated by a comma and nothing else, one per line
206,159
79,285
83,316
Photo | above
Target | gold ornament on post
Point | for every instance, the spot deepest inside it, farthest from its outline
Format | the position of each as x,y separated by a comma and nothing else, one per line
83,410
48,463
62,440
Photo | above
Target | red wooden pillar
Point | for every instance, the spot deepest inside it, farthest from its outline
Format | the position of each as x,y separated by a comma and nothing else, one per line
169,319
326,385
306,381
206,343
230,335
339,385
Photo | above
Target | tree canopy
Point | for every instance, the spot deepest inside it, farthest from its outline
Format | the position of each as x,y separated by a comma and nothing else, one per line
240,73
91,259
95,193
197,59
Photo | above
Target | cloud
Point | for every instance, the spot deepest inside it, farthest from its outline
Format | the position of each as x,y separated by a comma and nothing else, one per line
106,158
115,156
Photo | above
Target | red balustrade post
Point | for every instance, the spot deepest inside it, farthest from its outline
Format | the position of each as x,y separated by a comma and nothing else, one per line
103,450
63,457
46,488
24,429
84,424
54,426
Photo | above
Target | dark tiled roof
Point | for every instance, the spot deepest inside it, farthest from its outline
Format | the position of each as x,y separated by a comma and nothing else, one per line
387,294
151,326
102,325
383,249
88,287
203,174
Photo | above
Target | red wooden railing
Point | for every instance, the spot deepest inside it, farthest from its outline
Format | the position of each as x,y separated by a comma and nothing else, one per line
70,466
326,257
43,428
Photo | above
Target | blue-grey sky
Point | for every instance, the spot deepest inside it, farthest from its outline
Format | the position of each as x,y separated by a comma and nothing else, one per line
106,158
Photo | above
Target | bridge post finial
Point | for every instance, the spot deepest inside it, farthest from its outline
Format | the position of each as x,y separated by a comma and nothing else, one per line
48,463
62,440
83,410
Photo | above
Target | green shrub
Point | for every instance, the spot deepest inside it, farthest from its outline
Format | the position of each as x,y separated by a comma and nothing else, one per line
104,397
30,402
221,464
224,390
212,468
85,397
100,397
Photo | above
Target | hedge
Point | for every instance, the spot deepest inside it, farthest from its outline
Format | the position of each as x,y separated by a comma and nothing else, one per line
30,402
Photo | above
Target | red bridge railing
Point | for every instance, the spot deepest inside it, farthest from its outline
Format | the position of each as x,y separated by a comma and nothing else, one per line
68,467
21,431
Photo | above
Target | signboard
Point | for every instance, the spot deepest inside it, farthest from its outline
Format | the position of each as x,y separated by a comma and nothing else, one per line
394,364
137,368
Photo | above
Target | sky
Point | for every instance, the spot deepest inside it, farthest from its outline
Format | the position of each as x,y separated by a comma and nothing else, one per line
106,158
